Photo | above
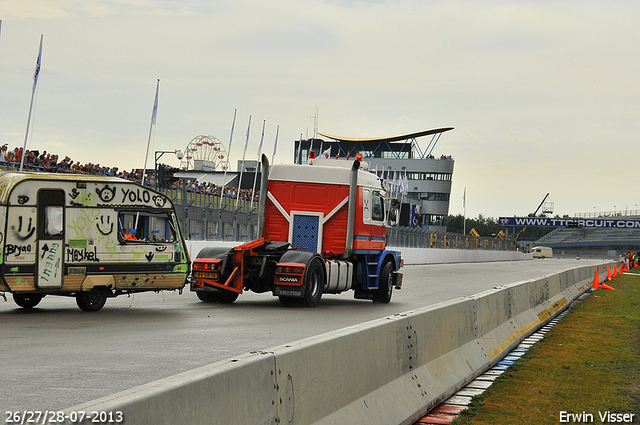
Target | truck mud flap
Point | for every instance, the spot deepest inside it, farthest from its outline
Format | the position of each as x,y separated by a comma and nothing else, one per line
363,294
208,288
397,280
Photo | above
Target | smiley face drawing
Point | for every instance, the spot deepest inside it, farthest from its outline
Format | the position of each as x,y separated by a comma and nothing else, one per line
160,201
105,226
106,194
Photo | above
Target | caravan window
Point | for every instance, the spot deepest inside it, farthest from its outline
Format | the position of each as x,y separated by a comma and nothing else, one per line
145,226
53,216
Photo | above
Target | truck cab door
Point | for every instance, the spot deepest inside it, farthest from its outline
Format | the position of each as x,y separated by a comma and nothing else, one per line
50,245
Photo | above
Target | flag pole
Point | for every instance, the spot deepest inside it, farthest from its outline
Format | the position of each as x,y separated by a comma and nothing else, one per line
144,170
153,121
275,145
255,177
315,129
224,175
243,156
33,91
464,211
295,161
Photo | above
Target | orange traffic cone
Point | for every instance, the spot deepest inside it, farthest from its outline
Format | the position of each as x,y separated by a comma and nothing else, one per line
624,267
596,280
609,278
615,270
605,286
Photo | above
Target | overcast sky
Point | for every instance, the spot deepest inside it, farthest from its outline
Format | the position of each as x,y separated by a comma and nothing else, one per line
544,95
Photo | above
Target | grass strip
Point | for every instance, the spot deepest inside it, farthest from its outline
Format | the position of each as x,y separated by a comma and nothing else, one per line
588,364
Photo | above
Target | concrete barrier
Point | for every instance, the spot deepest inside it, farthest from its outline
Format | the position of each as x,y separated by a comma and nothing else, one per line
387,371
445,256
409,255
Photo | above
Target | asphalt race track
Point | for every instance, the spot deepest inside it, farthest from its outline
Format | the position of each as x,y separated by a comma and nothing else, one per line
56,356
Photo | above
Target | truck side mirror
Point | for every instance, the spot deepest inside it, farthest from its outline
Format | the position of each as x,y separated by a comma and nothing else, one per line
393,217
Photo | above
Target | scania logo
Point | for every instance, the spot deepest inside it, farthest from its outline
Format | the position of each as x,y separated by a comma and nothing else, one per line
288,279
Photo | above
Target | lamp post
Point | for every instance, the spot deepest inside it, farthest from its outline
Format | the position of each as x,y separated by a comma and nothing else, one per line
158,155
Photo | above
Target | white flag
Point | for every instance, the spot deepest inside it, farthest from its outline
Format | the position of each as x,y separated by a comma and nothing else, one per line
264,123
406,184
37,71
295,161
246,144
275,145
155,105
233,125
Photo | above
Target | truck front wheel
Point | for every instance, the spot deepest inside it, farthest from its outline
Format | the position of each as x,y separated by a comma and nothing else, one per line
92,300
385,285
27,300
313,282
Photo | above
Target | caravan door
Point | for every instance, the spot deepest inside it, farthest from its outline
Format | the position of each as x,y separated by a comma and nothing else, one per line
50,253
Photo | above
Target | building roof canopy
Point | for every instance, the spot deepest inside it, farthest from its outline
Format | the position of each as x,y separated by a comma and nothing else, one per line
389,139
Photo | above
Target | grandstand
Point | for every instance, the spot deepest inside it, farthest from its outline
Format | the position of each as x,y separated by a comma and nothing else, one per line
596,242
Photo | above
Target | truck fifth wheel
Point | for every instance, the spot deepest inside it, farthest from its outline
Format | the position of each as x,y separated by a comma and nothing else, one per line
322,230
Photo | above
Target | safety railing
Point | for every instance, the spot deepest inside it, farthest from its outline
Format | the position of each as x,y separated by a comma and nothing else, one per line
207,200
414,237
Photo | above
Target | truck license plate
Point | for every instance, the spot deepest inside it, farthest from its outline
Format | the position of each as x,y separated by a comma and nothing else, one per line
207,275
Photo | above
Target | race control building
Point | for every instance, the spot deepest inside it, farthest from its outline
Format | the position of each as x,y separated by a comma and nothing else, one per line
428,176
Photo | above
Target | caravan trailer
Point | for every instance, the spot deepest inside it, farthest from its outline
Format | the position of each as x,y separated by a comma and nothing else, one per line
88,237
542,252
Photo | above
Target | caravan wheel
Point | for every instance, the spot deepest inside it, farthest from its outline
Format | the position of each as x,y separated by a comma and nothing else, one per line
92,300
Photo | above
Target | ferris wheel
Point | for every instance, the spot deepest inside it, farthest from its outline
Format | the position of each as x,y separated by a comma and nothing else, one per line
204,153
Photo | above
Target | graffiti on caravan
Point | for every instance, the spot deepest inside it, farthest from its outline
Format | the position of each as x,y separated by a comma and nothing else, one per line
609,223
136,195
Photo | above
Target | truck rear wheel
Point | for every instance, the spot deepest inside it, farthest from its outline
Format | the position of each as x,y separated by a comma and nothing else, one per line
313,282
92,300
27,300
385,285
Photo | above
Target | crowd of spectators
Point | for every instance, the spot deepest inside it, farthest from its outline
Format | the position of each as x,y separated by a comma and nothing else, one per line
50,163
212,189
47,162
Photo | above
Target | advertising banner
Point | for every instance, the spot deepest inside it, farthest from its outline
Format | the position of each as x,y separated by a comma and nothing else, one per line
600,222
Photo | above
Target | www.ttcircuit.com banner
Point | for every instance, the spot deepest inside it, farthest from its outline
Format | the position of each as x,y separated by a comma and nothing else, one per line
609,223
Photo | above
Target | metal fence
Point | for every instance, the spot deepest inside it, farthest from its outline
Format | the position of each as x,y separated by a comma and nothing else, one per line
413,237
206,216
